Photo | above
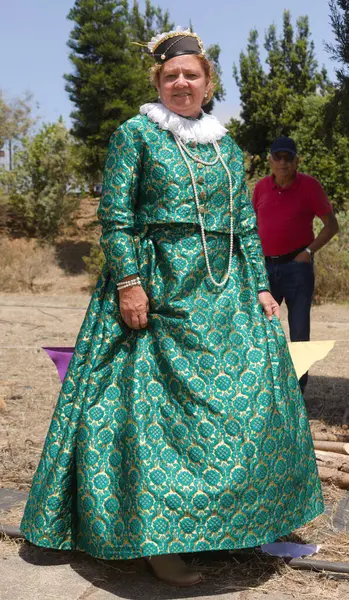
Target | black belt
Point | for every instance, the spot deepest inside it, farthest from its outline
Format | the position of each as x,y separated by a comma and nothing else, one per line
284,258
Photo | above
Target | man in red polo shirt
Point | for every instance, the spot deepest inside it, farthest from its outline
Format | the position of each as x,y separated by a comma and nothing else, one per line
286,204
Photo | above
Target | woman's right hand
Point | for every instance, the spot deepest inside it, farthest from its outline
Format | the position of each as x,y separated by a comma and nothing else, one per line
134,307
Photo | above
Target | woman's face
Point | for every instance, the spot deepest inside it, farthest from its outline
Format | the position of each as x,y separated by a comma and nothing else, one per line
182,85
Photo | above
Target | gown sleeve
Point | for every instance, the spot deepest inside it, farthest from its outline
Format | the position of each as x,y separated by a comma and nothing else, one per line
250,243
119,196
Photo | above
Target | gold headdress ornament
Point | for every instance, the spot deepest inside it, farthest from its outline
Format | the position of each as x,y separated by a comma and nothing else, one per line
175,43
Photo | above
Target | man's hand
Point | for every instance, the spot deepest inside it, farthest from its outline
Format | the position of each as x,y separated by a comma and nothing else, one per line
134,307
303,257
270,306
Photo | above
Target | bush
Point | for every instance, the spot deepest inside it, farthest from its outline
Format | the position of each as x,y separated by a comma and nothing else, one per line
38,203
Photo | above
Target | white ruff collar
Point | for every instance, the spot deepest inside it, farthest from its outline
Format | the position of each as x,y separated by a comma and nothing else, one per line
203,131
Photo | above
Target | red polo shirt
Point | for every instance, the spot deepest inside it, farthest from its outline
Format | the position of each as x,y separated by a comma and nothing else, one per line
285,215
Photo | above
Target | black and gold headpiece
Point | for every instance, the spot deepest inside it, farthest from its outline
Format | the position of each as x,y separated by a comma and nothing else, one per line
175,43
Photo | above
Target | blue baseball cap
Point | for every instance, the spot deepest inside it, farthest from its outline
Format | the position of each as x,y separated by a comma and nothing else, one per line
284,144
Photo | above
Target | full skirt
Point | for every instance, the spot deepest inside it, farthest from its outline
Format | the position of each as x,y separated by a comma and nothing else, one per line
189,435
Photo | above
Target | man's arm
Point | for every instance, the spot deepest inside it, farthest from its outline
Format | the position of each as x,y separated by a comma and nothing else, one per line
329,229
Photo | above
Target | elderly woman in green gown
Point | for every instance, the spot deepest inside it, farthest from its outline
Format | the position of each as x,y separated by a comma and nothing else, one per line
180,426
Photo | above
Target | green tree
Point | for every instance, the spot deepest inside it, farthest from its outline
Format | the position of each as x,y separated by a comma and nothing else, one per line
110,78
272,96
39,183
99,81
329,165
339,104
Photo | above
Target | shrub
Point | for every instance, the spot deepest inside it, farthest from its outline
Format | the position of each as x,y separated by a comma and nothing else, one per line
38,185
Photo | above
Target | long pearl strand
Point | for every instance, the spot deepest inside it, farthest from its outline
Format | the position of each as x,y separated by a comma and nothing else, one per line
184,150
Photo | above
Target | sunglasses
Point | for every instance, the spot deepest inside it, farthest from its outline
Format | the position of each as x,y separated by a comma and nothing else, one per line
286,156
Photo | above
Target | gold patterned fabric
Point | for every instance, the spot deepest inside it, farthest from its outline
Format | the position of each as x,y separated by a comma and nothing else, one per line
192,434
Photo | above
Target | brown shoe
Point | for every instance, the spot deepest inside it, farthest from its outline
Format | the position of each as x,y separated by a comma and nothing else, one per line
171,569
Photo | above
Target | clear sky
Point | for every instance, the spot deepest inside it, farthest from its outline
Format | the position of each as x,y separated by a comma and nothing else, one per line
34,54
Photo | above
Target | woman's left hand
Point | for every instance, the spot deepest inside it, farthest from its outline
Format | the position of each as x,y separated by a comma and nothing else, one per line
270,306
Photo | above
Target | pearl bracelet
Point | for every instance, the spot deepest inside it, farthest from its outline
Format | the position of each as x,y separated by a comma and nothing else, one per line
130,283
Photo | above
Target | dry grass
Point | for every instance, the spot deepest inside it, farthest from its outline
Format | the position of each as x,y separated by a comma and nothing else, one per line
10,546
22,262
22,429
27,266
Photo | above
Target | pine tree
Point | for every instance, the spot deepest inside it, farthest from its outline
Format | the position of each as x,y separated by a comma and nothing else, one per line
339,105
272,99
97,88
111,73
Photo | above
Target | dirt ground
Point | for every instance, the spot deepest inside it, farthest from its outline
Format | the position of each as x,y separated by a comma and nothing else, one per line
29,386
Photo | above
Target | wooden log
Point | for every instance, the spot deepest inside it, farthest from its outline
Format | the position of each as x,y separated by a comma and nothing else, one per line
332,460
328,436
338,478
340,447
327,454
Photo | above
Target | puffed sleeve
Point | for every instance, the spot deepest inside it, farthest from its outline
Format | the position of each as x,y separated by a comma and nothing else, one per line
119,196
250,243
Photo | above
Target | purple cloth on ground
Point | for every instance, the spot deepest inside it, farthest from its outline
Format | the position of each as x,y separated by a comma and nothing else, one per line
290,549
61,357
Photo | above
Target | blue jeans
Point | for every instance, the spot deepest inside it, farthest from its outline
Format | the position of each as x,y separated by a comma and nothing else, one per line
294,282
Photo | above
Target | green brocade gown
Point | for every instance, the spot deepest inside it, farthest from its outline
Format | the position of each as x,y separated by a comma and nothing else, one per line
192,434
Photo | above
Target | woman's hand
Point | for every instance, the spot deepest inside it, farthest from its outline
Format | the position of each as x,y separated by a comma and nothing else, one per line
134,307
270,306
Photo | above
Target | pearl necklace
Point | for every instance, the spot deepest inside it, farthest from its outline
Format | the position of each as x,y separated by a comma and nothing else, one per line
184,150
